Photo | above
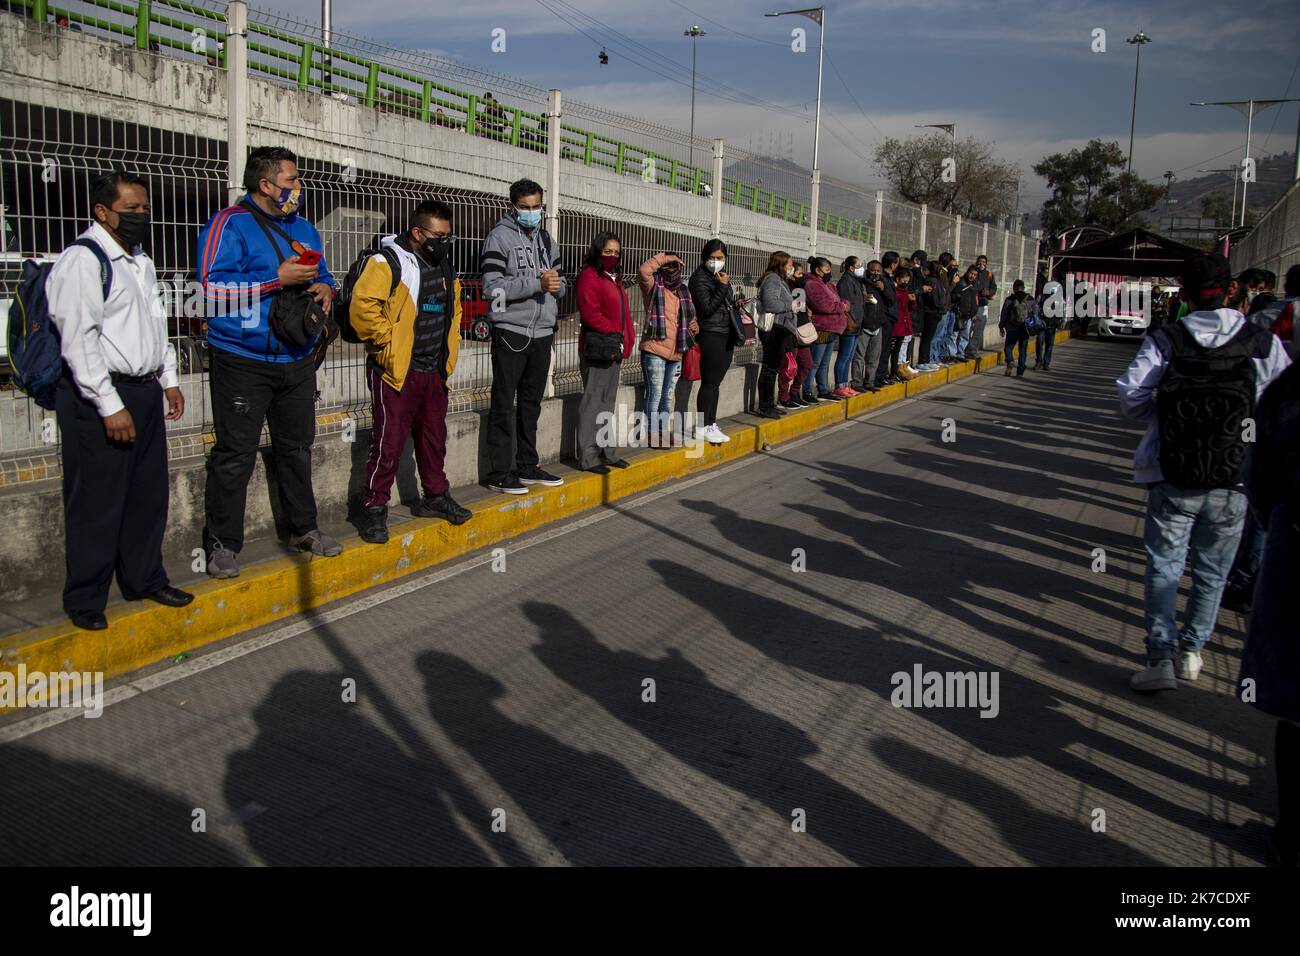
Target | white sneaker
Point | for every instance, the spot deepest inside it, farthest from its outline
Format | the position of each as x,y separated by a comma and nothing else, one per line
1157,676
1189,665
714,435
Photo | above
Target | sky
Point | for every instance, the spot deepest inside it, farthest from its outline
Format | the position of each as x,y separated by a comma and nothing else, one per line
1021,75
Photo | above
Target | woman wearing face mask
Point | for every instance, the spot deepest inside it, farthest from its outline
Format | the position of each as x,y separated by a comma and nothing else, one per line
850,288
670,329
898,367
774,297
714,299
606,339
829,317
790,388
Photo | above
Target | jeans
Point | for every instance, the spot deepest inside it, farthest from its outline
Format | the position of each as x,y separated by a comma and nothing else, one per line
844,358
660,380
976,338
1043,347
960,336
941,344
1021,338
1208,523
821,357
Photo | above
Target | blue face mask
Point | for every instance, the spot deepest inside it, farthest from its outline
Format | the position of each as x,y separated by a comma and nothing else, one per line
528,218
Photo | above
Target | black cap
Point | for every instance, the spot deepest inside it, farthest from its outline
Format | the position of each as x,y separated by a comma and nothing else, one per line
1207,274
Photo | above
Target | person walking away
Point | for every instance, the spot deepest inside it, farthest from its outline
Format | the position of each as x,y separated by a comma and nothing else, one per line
263,364
604,343
775,299
1016,311
118,371
720,332
1270,660
850,288
523,280
670,330
828,312
405,308
1193,382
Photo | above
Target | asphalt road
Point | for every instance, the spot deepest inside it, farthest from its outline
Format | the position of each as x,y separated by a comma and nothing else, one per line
518,697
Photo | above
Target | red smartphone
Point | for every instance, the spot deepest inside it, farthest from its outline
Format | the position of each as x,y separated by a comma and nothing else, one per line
309,257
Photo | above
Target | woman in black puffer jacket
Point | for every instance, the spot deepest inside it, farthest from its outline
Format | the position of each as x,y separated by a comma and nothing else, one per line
714,300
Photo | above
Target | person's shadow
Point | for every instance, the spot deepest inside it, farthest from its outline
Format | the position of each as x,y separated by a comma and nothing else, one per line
725,737
75,813
323,785
588,805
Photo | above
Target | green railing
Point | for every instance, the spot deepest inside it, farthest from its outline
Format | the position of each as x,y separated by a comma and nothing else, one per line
309,65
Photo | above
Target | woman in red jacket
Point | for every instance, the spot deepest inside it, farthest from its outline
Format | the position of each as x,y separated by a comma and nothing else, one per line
829,316
902,328
605,340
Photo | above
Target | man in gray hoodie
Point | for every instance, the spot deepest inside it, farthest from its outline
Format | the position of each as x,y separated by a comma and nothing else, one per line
523,281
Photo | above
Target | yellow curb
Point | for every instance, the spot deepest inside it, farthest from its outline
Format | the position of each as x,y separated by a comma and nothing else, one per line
143,634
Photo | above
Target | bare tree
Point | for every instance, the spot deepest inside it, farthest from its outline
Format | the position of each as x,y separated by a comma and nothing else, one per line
968,180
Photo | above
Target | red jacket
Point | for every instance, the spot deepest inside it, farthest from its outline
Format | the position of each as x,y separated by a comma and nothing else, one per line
603,307
829,312
904,324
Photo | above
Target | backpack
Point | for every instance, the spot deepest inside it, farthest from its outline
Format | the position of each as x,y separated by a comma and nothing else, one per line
35,350
1018,311
1035,323
1201,402
343,307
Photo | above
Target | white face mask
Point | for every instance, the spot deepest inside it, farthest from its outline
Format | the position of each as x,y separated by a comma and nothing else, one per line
715,265
789,273
859,272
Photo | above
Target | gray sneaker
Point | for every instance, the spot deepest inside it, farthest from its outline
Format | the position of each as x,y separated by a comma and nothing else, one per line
319,543
221,562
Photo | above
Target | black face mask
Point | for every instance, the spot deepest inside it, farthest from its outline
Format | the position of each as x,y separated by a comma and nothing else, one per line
132,228
435,250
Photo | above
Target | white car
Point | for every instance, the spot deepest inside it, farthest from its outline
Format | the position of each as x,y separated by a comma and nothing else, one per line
1123,325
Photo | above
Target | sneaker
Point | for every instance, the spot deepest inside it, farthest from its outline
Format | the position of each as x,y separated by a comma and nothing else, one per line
1008,371
1157,675
441,506
532,475
845,392
221,562
810,399
621,463
374,525
790,403
714,435
508,485
1188,666
1238,599
829,396
318,543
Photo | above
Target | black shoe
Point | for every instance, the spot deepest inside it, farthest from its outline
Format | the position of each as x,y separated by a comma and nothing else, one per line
88,620
171,597
1020,373
1047,368
441,506
597,470
829,397
1239,600
766,411
509,484
374,525
789,403
798,401
621,463
532,475
810,400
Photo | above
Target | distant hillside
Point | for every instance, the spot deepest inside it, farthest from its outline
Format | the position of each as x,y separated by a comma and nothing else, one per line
1274,175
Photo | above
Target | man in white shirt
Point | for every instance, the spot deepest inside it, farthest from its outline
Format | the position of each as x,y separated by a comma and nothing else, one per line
1195,381
119,368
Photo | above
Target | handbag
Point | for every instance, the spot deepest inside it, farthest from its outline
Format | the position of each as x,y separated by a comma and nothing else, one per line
806,334
789,366
295,317
604,346
691,364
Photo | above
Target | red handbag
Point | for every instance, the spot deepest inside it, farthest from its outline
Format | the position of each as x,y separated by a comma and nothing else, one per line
691,364
789,366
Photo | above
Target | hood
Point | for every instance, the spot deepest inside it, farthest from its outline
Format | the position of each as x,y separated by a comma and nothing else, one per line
1213,328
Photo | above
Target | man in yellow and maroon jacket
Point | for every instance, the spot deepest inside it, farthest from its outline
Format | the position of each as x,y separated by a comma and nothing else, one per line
405,308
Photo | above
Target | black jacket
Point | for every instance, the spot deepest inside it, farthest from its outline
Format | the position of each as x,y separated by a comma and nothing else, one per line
888,301
712,300
966,300
850,289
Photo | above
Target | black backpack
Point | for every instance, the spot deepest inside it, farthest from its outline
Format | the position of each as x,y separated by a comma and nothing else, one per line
1201,402
343,307
1018,311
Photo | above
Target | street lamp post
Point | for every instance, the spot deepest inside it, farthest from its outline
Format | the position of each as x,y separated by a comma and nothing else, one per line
694,33
1139,40
326,37
817,15
1250,108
